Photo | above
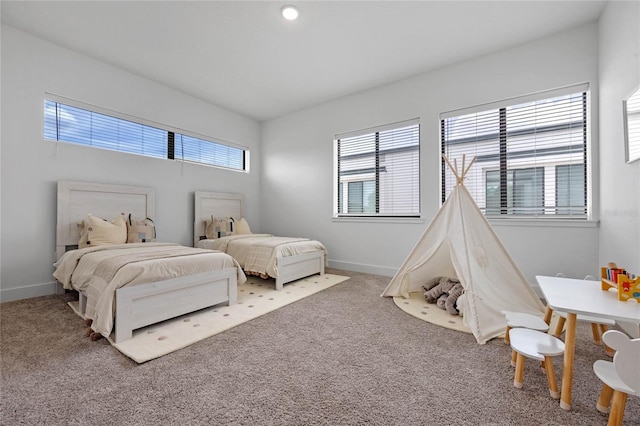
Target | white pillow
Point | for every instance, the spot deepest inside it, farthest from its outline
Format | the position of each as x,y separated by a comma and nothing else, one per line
97,232
242,226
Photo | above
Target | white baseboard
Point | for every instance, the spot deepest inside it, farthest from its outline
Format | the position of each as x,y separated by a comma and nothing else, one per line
361,267
27,292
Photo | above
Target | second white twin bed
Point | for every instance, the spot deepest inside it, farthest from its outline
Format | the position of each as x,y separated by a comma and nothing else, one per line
219,224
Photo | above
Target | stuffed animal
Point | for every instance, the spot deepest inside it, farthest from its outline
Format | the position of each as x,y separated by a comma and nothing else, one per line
451,304
442,301
449,301
437,286
444,291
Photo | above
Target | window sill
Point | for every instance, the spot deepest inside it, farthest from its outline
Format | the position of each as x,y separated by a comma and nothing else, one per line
520,222
363,219
548,223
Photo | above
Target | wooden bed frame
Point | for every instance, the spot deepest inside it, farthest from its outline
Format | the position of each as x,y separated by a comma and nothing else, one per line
221,204
143,304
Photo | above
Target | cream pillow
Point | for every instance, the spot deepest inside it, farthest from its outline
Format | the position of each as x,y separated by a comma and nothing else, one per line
218,227
97,232
242,226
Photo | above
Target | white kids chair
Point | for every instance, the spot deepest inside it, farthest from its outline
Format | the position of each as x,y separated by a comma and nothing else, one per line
536,345
620,377
522,320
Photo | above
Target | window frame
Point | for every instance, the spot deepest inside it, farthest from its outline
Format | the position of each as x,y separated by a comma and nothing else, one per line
551,214
173,135
340,186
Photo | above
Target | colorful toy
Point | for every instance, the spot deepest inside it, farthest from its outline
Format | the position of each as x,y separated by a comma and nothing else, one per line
627,285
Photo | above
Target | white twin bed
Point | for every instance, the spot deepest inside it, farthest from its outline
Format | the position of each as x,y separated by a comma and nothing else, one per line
283,258
123,287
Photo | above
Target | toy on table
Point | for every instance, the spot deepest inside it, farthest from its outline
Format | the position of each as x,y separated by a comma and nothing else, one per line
627,285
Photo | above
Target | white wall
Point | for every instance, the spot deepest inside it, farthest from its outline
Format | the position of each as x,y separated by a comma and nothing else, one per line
31,166
620,183
297,173
290,189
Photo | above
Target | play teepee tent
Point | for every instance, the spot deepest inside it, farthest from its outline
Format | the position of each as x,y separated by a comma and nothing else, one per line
459,242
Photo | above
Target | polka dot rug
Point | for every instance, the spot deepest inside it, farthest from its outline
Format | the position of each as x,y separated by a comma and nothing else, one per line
416,306
256,297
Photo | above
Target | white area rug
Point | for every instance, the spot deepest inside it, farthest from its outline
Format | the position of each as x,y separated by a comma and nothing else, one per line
256,297
419,308
416,306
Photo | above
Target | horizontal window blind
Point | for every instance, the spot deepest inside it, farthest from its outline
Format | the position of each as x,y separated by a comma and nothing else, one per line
531,156
378,171
202,151
71,124
76,123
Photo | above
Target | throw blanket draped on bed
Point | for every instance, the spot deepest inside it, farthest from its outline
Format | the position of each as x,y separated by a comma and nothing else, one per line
106,269
74,275
260,254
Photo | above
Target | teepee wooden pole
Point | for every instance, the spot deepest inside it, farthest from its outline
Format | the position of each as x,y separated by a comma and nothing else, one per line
454,167
465,171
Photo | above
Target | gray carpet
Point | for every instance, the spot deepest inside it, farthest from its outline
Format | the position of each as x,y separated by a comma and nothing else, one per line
343,356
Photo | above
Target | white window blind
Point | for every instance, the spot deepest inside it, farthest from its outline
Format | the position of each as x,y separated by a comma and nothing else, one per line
195,150
378,171
531,154
91,126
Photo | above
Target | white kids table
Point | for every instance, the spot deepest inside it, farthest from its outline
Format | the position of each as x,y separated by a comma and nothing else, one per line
576,296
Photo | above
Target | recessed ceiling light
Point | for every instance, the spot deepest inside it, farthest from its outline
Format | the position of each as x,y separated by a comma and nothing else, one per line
289,13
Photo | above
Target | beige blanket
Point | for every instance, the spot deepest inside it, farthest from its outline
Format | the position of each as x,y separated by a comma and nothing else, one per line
149,262
258,254
74,275
108,268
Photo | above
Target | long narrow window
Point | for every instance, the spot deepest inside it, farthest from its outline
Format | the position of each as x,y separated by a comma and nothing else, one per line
531,154
84,126
378,171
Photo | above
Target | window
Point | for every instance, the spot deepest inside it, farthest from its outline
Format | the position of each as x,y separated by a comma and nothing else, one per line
531,154
570,189
378,171
527,182
80,125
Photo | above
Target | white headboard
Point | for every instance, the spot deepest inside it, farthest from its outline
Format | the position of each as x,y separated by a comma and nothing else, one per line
77,199
219,204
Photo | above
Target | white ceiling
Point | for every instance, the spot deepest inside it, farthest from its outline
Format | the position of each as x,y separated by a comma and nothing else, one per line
242,55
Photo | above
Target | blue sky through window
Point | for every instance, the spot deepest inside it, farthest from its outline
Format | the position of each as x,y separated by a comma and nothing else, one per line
82,126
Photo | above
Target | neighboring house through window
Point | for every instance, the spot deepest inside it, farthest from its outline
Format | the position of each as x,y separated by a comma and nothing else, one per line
531,154
378,171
